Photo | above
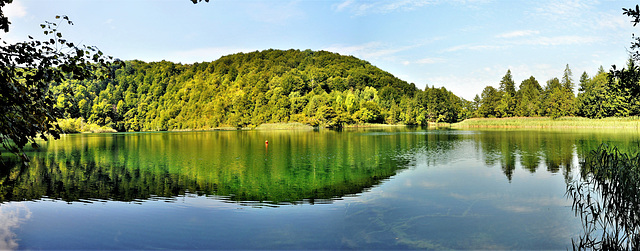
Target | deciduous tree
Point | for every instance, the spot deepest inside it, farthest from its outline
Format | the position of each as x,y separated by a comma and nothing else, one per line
529,98
27,69
490,102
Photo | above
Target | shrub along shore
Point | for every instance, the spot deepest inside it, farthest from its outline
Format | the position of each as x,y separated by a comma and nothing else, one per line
78,125
546,122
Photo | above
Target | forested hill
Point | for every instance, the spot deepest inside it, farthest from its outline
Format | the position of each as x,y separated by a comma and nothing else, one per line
249,89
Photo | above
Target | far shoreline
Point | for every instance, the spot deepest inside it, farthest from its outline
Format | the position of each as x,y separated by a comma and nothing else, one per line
472,123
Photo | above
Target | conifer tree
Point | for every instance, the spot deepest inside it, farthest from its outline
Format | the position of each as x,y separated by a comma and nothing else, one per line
507,105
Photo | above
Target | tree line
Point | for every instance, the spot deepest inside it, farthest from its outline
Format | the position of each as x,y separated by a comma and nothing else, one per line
321,89
607,94
248,89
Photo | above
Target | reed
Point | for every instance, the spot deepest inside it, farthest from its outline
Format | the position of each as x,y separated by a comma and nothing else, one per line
546,122
607,200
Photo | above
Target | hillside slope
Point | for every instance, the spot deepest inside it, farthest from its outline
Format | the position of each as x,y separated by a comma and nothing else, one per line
249,89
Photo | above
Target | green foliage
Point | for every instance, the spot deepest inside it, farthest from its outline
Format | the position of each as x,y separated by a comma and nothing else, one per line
28,106
439,105
567,82
507,93
613,94
558,100
490,102
592,98
529,102
623,91
619,94
78,125
605,95
246,90
616,93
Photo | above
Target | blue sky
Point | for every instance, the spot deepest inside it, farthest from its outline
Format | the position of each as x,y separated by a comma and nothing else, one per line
462,45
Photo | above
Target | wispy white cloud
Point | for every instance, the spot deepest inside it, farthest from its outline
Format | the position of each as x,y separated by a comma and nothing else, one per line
15,9
580,13
611,21
564,8
430,60
366,7
560,40
518,33
474,47
360,8
527,39
342,6
385,51
372,50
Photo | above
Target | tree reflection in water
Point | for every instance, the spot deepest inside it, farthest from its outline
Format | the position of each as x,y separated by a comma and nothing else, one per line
552,149
299,168
607,200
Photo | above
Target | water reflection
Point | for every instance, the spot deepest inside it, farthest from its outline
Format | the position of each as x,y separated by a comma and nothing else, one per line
236,166
296,167
388,189
553,149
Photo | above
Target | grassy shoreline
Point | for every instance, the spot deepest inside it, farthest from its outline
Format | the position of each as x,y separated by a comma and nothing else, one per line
79,126
545,122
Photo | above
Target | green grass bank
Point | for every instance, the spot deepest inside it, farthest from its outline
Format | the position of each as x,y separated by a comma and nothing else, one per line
545,122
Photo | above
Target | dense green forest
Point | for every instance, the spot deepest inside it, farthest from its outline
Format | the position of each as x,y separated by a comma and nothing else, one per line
320,88
607,94
248,89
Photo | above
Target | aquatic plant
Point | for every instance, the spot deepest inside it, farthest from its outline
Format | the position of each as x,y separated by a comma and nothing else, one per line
607,200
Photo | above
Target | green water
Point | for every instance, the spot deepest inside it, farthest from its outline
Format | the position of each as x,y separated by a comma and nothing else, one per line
395,188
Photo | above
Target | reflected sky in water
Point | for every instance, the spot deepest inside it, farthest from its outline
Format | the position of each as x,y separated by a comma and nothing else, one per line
361,189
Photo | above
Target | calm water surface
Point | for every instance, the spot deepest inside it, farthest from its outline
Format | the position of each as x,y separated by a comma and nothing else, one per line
393,188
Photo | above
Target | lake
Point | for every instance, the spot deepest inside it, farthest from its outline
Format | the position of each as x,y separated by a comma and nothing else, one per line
389,188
